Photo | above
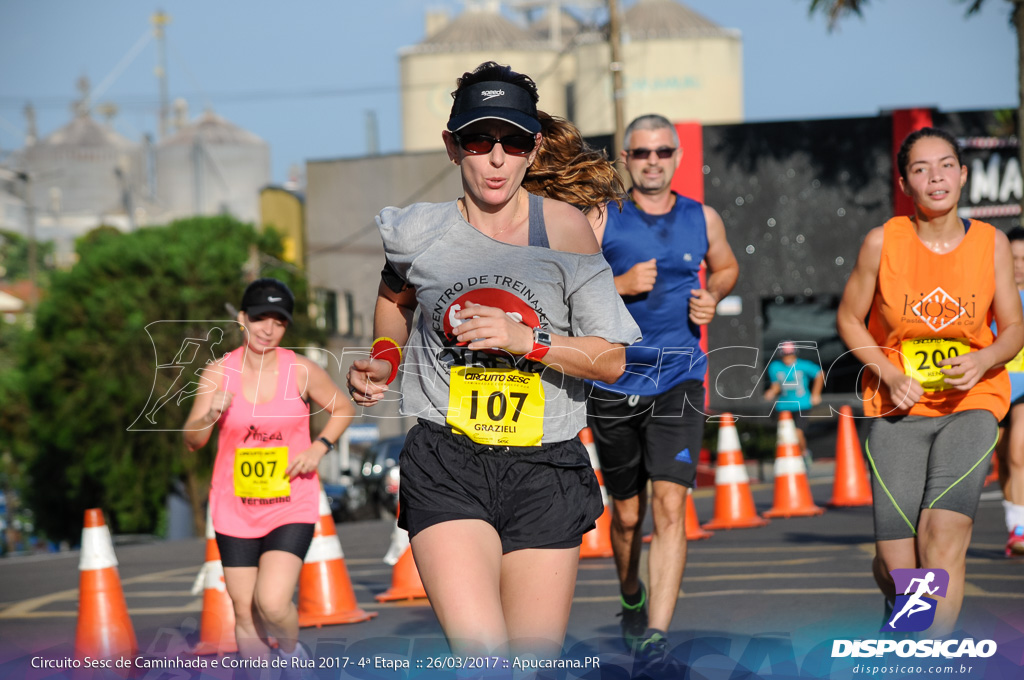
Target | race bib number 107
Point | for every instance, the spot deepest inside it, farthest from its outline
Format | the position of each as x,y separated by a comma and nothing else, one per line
497,407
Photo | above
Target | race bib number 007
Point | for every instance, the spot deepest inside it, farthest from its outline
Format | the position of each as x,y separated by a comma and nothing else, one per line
497,407
259,473
922,355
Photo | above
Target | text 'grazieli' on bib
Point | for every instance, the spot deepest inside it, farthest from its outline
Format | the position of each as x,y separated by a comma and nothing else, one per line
496,407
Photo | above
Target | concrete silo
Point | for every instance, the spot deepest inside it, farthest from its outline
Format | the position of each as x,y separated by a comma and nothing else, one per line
675,62
478,34
211,166
82,175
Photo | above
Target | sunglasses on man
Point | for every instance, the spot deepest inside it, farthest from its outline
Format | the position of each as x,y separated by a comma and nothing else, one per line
480,143
643,154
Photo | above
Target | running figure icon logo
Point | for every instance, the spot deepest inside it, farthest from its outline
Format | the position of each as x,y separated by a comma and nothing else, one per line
915,608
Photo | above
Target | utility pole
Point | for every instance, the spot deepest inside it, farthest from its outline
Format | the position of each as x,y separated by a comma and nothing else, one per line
30,228
159,20
615,66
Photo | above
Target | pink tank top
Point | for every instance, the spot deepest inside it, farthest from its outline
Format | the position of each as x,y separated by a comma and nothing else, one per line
246,495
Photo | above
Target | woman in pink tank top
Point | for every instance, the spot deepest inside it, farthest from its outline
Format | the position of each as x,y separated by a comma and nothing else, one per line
265,493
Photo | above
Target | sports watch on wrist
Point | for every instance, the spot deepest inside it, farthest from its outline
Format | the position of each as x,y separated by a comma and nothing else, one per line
329,445
541,344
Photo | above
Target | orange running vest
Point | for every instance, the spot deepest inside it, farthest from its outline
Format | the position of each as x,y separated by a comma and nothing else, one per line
923,294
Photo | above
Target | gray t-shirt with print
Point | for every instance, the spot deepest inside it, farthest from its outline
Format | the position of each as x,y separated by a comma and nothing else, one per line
450,263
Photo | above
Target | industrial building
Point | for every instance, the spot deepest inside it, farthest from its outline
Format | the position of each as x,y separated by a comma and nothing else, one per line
85,174
673,59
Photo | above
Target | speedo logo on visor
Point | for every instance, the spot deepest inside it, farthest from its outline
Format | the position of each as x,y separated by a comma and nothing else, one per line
491,94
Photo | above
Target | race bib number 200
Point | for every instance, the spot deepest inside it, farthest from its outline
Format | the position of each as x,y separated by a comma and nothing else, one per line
922,355
497,407
259,473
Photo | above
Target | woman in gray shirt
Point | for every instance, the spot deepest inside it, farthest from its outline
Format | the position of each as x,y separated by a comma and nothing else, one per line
517,307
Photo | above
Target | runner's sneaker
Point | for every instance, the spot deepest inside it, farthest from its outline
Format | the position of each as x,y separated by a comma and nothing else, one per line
298,665
634,619
652,650
1015,544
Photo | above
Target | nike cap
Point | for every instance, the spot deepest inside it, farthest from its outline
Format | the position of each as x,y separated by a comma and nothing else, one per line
494,99
268,296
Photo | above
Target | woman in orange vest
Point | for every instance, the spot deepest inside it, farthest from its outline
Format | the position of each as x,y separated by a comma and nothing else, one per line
936,385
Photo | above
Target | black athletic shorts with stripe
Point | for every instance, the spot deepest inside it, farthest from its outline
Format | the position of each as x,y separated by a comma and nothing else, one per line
640,438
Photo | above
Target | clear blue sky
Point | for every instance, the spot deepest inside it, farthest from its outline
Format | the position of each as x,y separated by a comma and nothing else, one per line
302,75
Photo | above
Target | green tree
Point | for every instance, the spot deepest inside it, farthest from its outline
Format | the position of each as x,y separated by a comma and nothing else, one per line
87,368
835,10
14,250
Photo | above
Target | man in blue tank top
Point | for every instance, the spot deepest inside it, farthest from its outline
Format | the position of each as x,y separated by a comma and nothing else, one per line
649,425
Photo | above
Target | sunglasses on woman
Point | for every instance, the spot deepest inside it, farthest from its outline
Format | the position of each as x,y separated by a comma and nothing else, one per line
514,145
642,154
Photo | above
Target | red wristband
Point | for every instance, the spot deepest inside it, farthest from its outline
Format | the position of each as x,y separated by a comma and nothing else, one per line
387,349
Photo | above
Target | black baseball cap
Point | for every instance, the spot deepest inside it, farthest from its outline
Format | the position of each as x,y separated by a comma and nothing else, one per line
268,296
494,99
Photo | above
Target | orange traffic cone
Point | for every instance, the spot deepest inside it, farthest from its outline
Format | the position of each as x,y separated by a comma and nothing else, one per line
734,504
104,628
598,541
851,486
792,490
325,590
405,580
217,624
405,577
694,532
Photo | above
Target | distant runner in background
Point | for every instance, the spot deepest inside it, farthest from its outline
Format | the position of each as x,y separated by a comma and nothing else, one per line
797,383
1010,452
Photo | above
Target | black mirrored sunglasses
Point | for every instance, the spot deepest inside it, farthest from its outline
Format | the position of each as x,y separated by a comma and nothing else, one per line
515,145
644,154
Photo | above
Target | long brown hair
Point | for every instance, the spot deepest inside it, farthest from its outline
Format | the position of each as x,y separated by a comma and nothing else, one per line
568,169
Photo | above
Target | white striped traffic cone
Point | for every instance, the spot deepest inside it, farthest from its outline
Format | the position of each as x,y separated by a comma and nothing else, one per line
325,590
104,628
734,504
598,541
217,625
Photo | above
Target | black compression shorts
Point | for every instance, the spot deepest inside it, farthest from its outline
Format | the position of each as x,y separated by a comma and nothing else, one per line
245,552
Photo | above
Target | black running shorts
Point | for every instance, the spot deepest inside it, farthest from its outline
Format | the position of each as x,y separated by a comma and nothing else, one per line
245,552
640,438
534,496
921,462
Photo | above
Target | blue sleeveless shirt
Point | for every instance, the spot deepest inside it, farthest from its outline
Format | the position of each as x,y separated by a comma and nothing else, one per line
669,352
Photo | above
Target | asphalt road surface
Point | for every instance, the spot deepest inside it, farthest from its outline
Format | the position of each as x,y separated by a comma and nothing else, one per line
756,603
